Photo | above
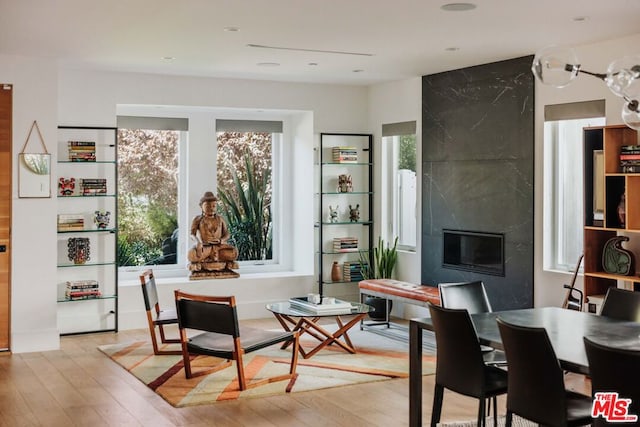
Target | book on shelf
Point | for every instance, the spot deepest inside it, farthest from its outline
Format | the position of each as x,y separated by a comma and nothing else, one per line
82,151
82,284
82,289
93,186
345,154
70,222
338,307
345,244
352,271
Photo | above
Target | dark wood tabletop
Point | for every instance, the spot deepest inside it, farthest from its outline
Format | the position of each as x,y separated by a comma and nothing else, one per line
564,327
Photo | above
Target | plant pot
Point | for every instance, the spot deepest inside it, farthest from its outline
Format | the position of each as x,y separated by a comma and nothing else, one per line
378,305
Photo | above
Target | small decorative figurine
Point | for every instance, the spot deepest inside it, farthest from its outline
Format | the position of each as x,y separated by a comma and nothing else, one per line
101,219
78,250
354,213
66,186
345,185
333,214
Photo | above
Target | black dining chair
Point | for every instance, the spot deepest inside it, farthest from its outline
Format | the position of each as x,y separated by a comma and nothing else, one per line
459,363
216,318
157,317
614,370
536,389
621,304
471,296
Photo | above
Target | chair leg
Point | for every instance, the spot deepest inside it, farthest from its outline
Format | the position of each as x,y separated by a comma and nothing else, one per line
481,417
438,394
509,419
237,355
495,411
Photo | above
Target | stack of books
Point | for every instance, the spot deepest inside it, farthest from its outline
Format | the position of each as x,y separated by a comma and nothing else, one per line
352,271
70,222
82,289
338,307
345,244
630,158
345,154
82,151
93,186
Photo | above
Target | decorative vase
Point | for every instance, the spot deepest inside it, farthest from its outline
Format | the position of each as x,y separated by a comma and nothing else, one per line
336,274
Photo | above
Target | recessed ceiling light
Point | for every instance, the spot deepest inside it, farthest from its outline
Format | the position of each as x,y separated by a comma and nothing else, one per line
168,58
580,18
452,49
458,7
231,29
313,64
268,64
358,71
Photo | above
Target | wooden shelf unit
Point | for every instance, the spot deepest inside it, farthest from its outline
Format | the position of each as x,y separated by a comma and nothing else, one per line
607,142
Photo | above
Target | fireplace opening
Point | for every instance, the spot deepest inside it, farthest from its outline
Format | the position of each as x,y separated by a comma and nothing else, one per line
473,251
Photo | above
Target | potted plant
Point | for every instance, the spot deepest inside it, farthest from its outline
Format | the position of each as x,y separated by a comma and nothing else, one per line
384,261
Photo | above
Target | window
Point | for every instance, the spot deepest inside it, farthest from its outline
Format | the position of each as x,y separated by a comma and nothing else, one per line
399,146
148,165
563,186
167,163
245,178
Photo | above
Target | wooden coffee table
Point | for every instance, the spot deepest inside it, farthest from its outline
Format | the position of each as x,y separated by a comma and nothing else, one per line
293,319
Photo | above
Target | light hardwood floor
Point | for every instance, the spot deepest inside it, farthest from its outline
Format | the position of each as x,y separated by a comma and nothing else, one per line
79,386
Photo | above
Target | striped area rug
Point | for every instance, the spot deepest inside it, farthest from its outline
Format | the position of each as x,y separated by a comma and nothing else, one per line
328,368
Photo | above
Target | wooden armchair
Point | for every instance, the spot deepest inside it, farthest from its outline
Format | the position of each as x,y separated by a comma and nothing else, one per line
155,316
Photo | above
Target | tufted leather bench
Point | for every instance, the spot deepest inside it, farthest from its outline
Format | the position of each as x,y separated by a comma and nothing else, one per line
400,291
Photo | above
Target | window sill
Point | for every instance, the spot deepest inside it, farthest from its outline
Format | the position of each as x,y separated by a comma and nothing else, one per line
185,279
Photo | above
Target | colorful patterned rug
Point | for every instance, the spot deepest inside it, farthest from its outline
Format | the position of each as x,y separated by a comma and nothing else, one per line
328,368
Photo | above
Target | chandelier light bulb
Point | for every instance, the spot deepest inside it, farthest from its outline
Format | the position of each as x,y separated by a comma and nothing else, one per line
623,76
631,114
556,66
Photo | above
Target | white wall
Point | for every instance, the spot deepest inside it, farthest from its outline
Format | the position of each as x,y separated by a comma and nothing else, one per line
596,57
88,98
394,102
33,231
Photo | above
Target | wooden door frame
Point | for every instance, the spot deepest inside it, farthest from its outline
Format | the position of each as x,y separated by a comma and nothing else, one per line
6,156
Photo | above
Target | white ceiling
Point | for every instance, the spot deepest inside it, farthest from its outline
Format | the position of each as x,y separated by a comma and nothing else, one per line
403,38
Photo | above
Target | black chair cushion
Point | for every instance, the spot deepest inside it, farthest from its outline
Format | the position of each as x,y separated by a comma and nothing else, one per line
220,345
166,317
577,406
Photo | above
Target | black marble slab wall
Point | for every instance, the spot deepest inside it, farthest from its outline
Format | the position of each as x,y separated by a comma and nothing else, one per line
478,168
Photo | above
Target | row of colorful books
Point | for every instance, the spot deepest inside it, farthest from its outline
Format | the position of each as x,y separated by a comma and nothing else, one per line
82,151
345,244
630,158
345,154
82,289
92,186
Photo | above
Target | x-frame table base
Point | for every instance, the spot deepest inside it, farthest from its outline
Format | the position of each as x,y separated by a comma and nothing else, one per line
309,325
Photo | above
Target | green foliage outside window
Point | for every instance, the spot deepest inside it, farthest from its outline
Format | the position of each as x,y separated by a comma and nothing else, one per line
407,153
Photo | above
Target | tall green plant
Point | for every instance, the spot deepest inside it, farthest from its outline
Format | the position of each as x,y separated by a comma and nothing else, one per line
247,214
384,260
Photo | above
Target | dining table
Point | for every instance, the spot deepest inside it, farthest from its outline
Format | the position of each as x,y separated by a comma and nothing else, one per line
566,329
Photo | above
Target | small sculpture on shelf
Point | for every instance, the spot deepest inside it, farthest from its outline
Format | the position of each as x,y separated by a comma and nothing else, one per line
101,219
616,259
211,257
354,213
66,186
345,184
78,250
333,214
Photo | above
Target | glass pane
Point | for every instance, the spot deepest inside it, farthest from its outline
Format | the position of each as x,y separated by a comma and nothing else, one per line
147,197
244,173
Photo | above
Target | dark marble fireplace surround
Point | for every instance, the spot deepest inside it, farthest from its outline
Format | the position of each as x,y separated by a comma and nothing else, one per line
478,169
